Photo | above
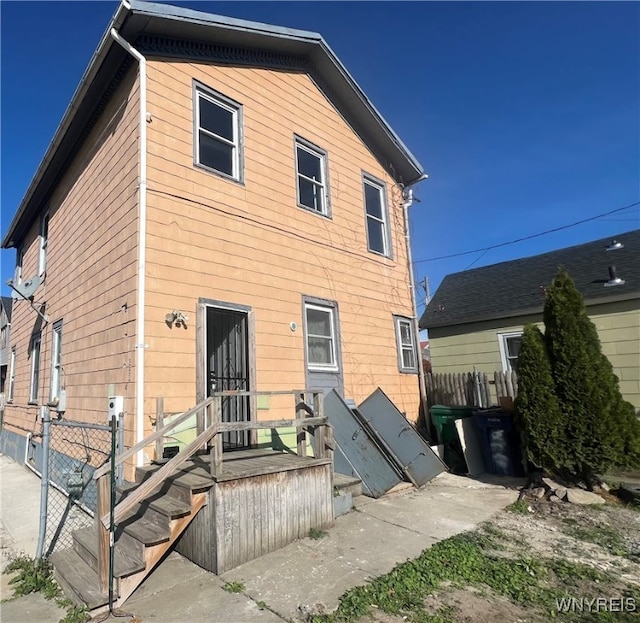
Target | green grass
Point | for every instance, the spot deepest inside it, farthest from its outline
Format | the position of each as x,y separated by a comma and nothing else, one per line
315,534
36,576
521,507
234,587
600,534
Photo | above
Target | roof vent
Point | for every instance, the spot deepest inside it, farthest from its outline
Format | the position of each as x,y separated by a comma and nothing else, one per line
614,245
614,280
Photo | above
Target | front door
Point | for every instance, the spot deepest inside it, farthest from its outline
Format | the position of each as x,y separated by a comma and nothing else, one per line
322,345
227,367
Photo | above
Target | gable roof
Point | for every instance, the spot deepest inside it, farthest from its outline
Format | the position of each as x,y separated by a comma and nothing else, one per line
517,287
6,304
155,29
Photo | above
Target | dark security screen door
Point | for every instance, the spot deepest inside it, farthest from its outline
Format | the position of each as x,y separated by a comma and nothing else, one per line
228,368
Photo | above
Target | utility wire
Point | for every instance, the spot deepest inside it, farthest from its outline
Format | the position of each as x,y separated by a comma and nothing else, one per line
543,233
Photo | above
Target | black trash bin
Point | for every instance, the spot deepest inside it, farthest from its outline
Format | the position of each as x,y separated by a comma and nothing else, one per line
500,443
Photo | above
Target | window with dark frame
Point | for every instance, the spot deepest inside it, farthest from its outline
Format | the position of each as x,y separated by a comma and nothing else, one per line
320,329
406,342
218,133
311,166
377,226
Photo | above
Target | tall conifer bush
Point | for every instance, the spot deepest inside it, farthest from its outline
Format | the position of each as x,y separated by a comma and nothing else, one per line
536,407
596,428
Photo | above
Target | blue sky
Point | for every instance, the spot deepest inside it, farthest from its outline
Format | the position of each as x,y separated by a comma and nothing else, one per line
525,115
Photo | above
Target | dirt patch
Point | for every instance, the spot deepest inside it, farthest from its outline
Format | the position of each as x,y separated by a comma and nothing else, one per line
549,561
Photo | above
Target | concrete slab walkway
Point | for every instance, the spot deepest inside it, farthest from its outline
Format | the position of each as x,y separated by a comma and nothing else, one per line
364,544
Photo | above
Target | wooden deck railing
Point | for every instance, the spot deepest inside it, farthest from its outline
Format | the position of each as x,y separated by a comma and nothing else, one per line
209,416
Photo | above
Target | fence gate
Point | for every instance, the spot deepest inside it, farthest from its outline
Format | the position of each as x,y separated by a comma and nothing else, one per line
74,450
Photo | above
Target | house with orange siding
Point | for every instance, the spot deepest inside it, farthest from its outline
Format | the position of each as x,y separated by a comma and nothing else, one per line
221,208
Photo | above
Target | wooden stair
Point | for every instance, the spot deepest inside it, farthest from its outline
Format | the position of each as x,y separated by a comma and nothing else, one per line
142,539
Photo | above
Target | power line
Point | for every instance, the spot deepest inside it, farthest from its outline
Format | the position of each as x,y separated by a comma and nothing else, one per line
543,233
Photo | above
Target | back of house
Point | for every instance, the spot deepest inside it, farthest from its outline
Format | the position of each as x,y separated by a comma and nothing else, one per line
221,208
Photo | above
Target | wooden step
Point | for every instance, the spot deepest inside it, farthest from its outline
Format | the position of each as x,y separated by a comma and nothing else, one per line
182,484
347,484
77,579
127,561
163,503
147,531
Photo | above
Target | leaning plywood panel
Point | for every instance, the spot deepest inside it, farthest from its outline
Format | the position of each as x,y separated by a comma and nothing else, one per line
357,448
396,435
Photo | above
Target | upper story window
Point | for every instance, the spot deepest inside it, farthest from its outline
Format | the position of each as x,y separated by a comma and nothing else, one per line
311,172
510,349
406,342
217,130
44,243
17,273
377,219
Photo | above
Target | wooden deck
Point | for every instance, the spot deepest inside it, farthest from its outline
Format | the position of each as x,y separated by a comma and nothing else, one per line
260,501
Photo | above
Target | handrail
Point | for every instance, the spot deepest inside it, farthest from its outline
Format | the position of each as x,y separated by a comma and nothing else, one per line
172,465
151,438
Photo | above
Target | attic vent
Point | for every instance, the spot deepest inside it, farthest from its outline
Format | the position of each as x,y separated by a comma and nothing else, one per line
614,280
614,245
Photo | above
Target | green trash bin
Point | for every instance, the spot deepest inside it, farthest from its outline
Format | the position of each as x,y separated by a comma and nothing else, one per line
444,420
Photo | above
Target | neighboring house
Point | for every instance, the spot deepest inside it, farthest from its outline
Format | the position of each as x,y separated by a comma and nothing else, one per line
476,316
6,358
227,213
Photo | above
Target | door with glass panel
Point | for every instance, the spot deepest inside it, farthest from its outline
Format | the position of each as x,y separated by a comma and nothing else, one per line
322,345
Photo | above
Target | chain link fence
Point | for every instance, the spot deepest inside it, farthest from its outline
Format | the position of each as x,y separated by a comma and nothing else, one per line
75,450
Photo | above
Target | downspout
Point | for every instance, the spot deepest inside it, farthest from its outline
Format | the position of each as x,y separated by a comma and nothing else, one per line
142,241
407,203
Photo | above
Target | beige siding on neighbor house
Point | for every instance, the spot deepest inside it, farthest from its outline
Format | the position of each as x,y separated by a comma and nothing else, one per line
458,349
90,277
250,244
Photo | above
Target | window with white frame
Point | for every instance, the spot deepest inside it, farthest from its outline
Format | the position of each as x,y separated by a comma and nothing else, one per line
376,210
35,368
17,273
12,375
510,349
44,243
321,337
311,171
56,360
217,128
406,342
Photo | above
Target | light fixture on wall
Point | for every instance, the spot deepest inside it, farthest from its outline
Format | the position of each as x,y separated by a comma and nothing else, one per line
177,317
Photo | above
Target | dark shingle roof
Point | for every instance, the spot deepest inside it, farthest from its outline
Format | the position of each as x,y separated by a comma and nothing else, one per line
517,287
7,303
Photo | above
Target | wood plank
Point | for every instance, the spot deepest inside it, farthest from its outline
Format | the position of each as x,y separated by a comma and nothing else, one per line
103,504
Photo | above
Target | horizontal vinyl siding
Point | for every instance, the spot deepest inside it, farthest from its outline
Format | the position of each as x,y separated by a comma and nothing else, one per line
458,349
90,277
250,244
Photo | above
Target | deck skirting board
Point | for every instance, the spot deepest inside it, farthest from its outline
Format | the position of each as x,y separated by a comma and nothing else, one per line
249,517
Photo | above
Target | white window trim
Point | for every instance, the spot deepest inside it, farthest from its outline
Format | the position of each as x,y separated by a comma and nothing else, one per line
201,91
398,321
36,345
43,243
17,273
384,221
502,341
318,367
12,375
321,154
56,361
